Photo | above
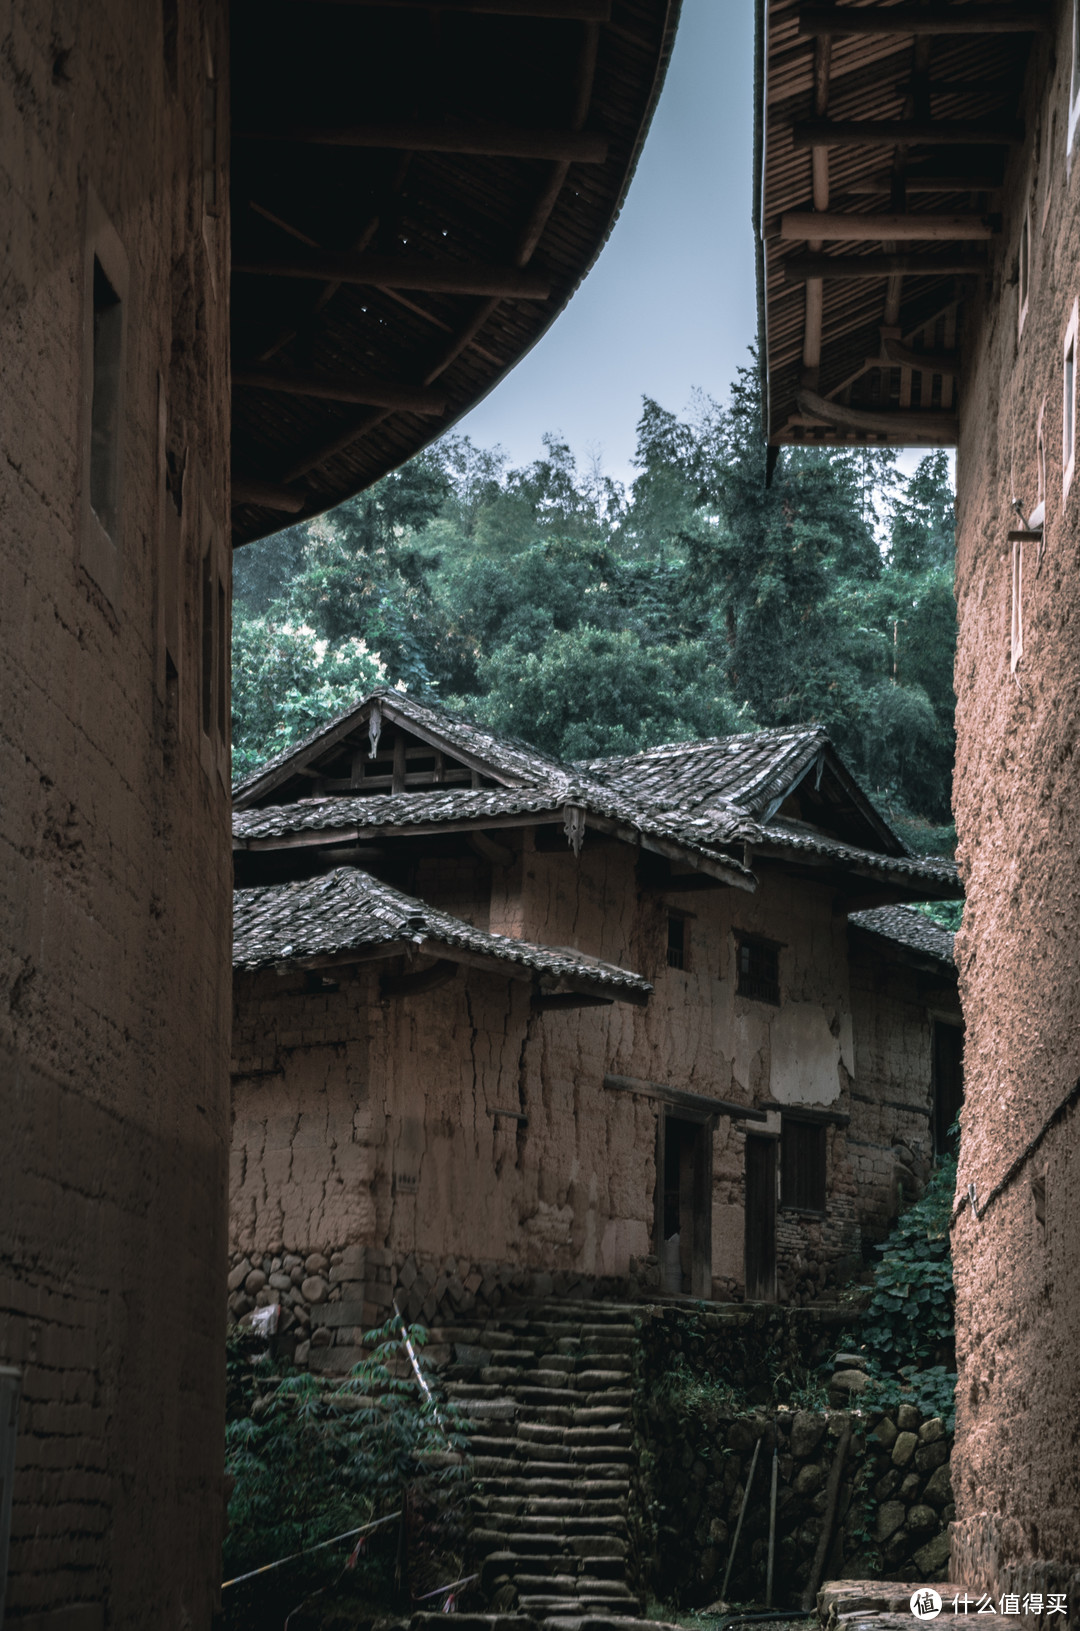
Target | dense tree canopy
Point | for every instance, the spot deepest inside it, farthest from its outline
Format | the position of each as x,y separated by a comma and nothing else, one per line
551,602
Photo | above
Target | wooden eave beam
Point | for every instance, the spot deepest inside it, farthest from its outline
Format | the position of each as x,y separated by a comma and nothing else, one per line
908,132
552,1001
393,272
871,186
411,136
1030,18
341,388
900,889
930,362
849,268
573,11
895,422
441,972
267,495
681,1097
802,225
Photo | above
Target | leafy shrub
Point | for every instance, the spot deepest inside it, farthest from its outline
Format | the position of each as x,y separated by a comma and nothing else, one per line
908,1325
314,1457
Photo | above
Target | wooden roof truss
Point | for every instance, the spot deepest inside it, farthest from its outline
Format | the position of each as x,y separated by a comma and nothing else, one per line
886,132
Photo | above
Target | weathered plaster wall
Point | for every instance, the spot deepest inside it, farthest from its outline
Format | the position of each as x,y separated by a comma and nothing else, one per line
889,1139
1016,1468
114,876
360,1122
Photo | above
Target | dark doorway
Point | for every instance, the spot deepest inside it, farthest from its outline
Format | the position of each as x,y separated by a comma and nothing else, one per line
684,1204
948,1083
760,1219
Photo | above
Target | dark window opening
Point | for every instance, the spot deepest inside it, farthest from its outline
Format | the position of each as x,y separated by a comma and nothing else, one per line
222,661
802,1165
676,942
948,1086
207,646
105,401
758,970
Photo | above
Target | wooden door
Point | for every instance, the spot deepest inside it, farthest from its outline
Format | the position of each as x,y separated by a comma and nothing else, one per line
684,1204
760,1219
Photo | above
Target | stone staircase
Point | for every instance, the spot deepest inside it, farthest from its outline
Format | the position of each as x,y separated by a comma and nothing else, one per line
547,1392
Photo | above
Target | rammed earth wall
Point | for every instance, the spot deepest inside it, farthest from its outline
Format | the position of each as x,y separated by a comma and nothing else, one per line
1017,1263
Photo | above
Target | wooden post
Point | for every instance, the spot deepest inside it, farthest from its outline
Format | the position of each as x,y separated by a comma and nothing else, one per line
832,1492
742,1515
772,1529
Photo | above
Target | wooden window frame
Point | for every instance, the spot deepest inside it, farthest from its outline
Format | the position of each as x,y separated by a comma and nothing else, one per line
101,539
674,916
1068,409
754,985
788,1181
1016,624
1023,272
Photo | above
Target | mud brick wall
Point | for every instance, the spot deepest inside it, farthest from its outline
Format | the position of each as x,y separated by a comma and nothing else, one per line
391,1123
114,863
1017,795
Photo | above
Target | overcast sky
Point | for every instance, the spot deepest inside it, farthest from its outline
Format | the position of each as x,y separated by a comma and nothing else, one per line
670,303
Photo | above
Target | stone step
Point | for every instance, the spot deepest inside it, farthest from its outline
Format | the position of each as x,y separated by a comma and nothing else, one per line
603,1622
587,1525
530,1394
573,1585
528,1451
555,1544
553,1506
589,1381
430,1621
842,1597
584,1602
487,1467
473,1390
611,1435
580,1488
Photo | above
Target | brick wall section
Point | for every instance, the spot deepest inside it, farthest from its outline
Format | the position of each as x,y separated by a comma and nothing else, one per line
1018,791
114,877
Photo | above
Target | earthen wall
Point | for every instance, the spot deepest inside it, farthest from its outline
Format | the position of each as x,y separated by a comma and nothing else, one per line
1017,1251
114,874
376,1146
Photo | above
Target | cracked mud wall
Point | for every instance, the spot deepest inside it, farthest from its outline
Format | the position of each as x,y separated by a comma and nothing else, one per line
363,1122
115,878
1017,1268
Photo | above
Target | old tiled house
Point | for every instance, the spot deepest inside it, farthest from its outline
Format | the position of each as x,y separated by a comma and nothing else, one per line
920,226
392,250
507,1024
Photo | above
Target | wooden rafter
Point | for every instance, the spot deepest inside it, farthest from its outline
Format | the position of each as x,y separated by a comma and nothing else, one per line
344,388
1033,17
484,141
896,423
851,268
930,362
837,228
910,132
267,494
399,272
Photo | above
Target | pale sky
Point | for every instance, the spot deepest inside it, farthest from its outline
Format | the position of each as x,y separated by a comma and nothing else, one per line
670,303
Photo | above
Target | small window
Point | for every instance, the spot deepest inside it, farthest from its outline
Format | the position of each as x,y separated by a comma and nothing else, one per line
1016,633
105,401
676,942
1024,269
802,1165
1068,406
758,969
1048,166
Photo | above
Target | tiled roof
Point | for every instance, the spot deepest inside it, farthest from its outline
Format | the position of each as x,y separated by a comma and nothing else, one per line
909,928
509,758
348,910
747,771
932,869
697,837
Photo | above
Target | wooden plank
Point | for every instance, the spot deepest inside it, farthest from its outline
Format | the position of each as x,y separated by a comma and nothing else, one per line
892,423
341,388
267,495
399,272
418,136
870,186
910,132
797,268
679,1096
1031,18
836,228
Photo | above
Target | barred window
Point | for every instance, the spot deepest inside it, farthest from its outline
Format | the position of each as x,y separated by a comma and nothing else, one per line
676,942
758,963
